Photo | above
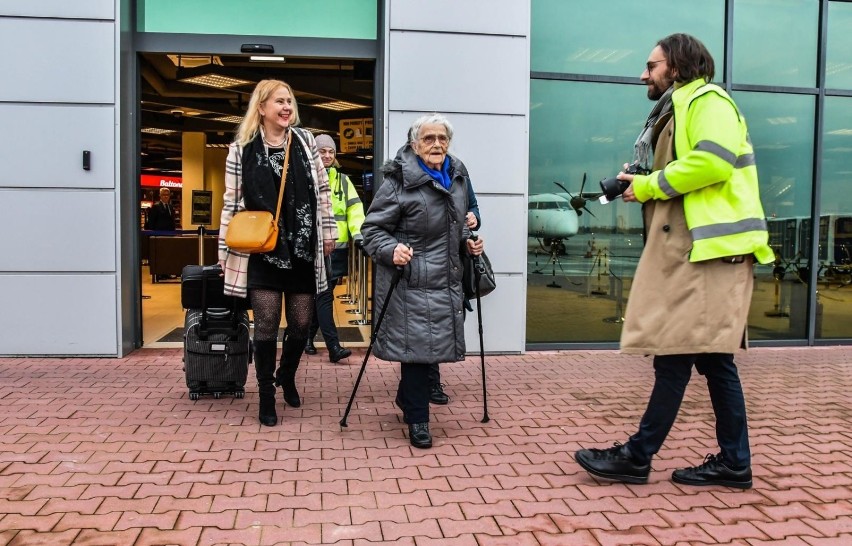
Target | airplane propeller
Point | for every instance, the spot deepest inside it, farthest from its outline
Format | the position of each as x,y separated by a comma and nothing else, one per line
578,202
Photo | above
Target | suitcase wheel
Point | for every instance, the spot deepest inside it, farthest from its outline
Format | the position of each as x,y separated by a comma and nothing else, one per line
217,395
194,395
240,394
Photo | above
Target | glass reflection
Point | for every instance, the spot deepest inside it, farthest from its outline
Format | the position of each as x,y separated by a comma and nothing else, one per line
781,130
834,273
613,38
838,65
581,255
766,52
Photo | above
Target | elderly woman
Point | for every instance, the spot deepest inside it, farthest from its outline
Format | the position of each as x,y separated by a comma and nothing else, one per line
417,222
306,234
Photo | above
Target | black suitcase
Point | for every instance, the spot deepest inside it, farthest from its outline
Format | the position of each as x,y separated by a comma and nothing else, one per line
217,347
217,352
192,280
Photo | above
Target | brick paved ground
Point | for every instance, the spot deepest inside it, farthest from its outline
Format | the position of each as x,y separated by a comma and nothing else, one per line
113,452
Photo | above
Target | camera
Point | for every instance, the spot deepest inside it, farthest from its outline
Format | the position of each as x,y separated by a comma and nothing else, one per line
613,187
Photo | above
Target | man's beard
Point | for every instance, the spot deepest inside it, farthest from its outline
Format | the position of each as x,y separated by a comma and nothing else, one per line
658,88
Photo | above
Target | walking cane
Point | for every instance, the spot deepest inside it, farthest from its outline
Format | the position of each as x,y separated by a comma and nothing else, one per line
394,281
478,269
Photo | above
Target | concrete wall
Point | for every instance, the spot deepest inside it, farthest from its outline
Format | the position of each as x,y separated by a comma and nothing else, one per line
58,249
450,57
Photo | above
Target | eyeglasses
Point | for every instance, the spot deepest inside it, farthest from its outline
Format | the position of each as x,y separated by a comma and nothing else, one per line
649,66
430,139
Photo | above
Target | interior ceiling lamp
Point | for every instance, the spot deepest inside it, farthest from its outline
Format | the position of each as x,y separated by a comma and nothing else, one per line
210,75
156,131
339,105
228,119
267,59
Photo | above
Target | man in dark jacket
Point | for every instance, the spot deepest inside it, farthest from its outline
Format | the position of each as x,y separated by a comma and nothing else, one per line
161,216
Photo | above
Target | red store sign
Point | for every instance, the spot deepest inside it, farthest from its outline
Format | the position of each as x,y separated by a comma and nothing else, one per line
155,181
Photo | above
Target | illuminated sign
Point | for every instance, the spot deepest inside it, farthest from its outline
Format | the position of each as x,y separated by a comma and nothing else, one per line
155,181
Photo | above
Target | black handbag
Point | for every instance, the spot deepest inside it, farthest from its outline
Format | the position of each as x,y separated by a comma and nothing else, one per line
477,267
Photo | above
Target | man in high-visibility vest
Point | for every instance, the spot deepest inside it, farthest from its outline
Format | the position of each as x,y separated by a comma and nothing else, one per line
690,297
349,213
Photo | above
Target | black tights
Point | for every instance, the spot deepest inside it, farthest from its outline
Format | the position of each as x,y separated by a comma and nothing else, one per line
266,304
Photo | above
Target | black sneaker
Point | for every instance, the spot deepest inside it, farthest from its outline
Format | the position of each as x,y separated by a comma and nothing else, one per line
338,353
419,435
615,463
714,471
438,396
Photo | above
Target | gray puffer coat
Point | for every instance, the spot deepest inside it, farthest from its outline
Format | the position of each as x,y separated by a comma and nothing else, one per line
424,322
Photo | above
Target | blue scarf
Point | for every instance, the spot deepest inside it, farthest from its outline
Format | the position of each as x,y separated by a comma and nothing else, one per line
442,176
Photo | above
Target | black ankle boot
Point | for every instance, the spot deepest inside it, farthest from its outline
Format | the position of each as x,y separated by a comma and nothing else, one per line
286,377
264,364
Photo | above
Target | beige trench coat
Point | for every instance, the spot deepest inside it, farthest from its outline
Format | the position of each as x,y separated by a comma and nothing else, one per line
678,307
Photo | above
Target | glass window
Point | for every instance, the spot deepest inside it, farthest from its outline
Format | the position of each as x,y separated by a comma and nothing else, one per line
834,283
766,52
355,19
580,267
838,67
614,38
781,128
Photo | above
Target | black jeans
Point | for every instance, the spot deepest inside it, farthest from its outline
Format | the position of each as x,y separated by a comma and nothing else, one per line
672,373
414,392
324,317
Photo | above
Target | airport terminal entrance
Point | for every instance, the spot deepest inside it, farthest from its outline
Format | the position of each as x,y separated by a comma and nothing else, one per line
189,107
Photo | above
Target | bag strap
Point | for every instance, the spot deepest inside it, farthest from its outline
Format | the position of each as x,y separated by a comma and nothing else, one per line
284,176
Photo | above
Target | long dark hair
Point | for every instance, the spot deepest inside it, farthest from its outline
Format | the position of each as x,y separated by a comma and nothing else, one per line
687,57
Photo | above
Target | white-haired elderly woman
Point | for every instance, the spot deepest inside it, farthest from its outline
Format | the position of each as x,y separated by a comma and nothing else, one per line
417,221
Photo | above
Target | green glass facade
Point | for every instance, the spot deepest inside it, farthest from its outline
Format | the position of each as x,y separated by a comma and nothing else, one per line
347,19
786,63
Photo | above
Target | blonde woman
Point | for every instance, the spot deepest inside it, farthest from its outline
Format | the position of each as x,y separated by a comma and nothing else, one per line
295,268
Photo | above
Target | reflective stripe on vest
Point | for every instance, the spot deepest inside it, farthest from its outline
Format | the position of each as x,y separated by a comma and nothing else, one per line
728,228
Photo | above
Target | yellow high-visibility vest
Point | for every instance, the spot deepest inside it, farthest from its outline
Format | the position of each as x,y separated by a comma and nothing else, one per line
714,170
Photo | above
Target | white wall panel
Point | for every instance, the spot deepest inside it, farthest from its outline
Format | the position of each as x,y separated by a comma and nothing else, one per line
58,315
57,231
503,318
55,137
474,16
76,63
77,9
494,148
458,73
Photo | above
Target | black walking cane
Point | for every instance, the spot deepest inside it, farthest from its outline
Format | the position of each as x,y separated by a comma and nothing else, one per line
394,281
478,269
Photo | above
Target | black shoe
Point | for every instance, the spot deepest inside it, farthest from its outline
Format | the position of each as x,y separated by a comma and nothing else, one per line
401,406
419,435
615,463
338,353
438,396
713,471
310,348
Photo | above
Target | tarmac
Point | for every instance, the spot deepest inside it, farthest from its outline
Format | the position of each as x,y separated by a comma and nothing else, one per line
102,452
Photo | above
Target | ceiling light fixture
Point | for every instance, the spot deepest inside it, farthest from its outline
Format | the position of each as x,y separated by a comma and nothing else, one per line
267,58
211,75
339,105
228,119
156,131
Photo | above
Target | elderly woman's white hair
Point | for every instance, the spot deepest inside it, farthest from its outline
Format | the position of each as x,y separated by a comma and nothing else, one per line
429,119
